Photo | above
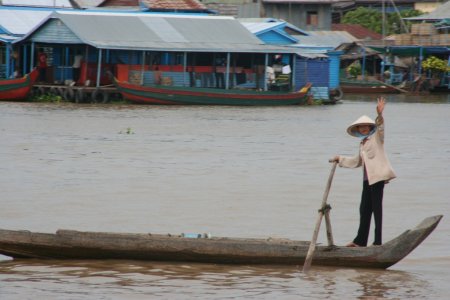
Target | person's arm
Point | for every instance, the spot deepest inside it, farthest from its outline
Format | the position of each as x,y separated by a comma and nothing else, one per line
347,162
379,121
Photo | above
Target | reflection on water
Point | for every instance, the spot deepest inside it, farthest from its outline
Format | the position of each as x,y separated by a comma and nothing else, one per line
69,280
405,98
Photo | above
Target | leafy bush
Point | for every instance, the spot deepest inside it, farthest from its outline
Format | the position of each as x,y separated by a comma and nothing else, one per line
435,65
354,69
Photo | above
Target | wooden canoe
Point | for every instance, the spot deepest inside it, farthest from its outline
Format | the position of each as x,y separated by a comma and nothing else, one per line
17,88
69,244
364,87
170,95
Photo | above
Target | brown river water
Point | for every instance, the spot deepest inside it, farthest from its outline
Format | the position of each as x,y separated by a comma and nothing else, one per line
240,172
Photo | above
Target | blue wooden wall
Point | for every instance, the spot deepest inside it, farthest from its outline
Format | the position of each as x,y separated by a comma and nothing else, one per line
334,68
274,38
315,71
55,31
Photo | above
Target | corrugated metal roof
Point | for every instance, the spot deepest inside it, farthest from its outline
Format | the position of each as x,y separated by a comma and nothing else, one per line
325,39
311,53
20,21
161,32
272,29
7,38
89,3
302,1
38,3
256,27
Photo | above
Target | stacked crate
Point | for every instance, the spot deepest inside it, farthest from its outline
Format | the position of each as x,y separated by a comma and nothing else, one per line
444,39
422,34
403,39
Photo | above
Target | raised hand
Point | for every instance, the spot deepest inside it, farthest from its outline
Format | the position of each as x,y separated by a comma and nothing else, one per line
381,101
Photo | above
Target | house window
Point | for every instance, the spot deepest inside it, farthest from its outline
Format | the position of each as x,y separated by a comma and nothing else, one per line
312,18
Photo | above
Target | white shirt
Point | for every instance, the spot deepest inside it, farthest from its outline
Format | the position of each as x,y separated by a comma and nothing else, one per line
77,61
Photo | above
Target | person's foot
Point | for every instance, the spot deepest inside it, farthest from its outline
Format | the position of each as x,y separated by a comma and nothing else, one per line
351,244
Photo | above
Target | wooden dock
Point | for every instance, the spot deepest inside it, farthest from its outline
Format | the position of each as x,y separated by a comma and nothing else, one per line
78,94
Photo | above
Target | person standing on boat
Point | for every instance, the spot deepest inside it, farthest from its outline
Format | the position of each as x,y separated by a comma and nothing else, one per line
377,171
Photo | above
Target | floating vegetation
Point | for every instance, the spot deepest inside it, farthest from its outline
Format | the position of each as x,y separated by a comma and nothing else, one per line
127,131
47,98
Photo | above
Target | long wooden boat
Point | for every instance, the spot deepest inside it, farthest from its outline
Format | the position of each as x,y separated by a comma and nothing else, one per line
364,87
208,96
69,244
17,88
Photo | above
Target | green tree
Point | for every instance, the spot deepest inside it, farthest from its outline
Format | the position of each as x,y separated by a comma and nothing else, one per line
367,17
372,19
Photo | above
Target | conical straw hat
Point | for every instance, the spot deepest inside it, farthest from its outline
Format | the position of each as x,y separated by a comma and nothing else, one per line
363,120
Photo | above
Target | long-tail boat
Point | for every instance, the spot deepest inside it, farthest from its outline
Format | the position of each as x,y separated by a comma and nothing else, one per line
17,88
160,94
69,244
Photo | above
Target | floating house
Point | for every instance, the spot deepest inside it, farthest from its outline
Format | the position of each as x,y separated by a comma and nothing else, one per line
14,24
176,50
19,17
316,60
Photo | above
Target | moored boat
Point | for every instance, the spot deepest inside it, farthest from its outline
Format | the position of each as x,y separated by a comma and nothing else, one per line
17,88
69,244
363,87
170,95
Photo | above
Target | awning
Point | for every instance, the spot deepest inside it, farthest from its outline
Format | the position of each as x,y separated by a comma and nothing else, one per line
411,50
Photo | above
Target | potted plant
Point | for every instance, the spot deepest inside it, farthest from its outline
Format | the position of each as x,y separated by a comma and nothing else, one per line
436,67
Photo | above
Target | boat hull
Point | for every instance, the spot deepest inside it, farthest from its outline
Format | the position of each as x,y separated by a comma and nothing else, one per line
18,88
356,89
69,244
207,96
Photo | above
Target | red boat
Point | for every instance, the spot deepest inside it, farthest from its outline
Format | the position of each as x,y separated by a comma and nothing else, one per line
206,96
17,88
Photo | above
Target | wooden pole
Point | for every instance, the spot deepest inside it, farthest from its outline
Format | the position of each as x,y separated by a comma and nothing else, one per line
99,67
324,210
328,226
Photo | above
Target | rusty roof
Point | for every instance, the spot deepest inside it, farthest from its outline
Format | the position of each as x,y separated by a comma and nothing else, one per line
358,31
157,4
174,4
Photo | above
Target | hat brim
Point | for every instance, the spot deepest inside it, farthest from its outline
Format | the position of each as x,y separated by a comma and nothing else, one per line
353,129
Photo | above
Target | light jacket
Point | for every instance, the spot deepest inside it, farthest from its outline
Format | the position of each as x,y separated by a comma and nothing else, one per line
372,155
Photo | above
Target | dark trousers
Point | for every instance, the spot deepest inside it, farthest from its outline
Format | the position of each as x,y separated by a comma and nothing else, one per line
43,74
371,202
76,74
